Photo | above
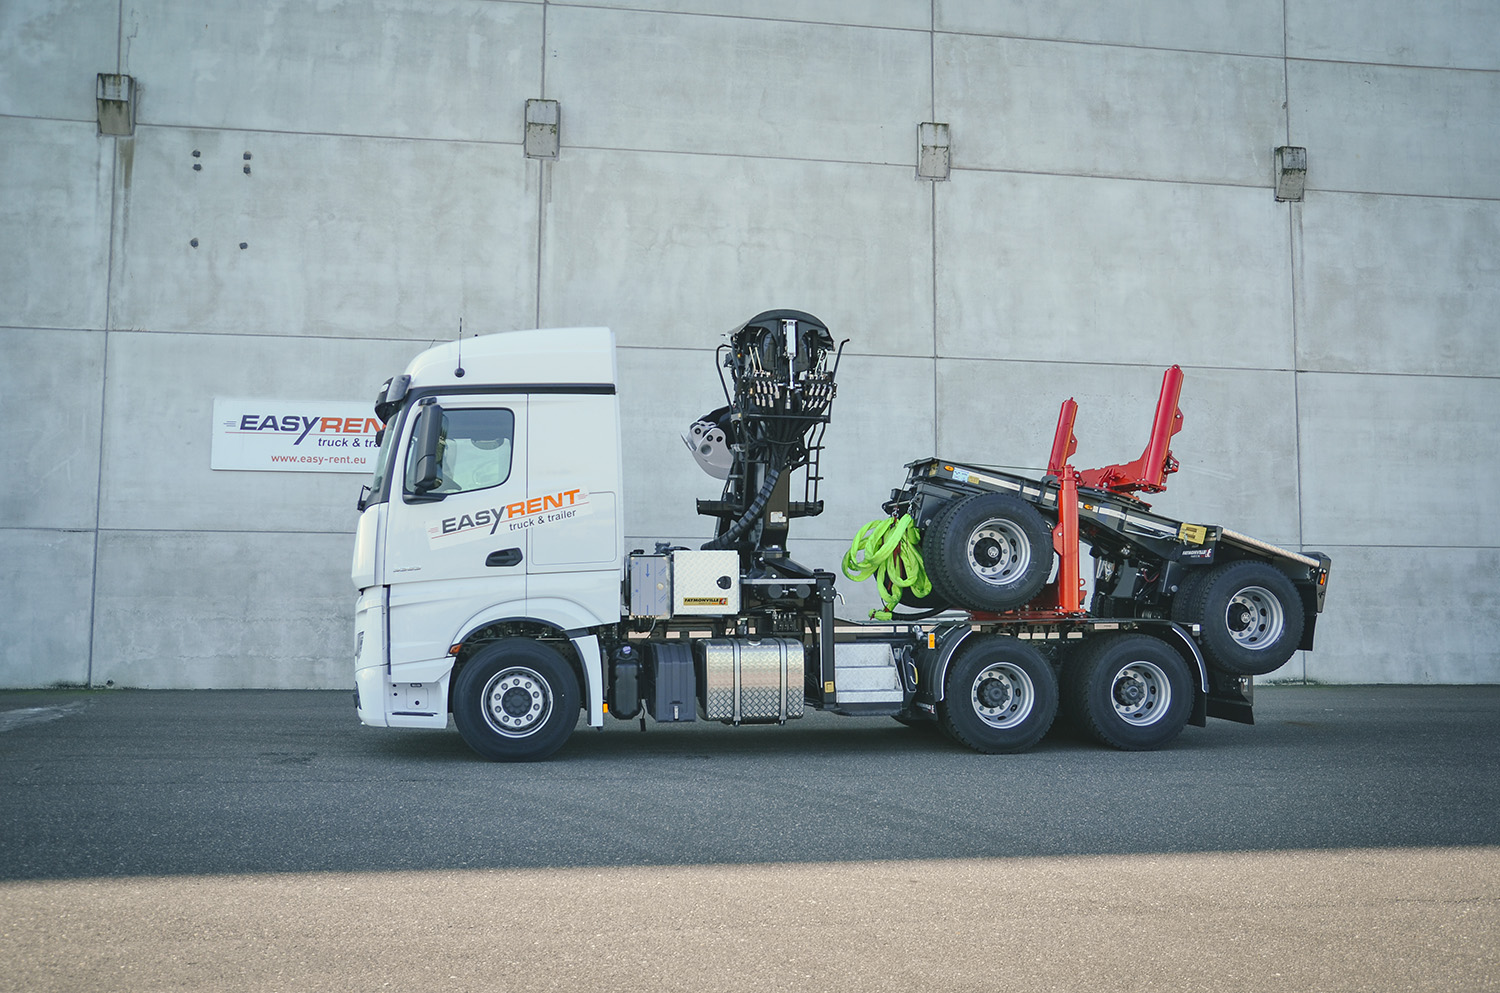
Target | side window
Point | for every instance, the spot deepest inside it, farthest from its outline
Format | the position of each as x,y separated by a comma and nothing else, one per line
474,450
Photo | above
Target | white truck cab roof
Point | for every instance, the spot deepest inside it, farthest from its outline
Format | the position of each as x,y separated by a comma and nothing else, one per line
546,356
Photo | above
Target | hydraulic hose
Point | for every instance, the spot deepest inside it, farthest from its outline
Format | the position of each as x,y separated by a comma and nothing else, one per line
739,527
888,549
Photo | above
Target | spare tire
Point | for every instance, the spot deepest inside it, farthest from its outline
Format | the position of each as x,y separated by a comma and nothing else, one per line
989,552
1249,616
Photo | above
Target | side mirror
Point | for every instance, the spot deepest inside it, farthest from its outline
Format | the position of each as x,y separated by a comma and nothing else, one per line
391,395
425,438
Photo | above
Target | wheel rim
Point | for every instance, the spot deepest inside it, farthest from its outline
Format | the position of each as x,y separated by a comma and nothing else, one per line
1254,618
1002,695
517,702
1141,693
998,551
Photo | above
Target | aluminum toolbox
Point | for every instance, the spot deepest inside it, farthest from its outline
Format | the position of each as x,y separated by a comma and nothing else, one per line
670,688
706,584
750,681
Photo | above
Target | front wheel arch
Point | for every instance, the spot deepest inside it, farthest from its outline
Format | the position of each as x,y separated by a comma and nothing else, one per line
479,638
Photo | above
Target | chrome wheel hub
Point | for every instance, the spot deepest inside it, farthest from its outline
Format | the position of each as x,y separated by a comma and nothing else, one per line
517,701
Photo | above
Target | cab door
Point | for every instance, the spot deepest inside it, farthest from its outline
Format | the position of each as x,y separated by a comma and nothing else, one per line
451,550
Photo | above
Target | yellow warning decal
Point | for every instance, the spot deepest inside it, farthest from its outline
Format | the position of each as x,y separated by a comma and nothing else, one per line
1193,534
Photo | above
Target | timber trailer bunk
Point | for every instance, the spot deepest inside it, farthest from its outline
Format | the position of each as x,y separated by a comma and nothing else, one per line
1182,615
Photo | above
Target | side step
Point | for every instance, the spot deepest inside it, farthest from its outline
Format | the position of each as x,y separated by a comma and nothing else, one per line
866,679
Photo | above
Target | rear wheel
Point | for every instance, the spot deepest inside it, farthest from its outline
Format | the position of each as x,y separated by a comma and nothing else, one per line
989,552
1182,600
1129,691
515,701
1000,696
1249,615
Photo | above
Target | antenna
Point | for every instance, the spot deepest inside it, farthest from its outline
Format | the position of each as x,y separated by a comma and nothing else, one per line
459,372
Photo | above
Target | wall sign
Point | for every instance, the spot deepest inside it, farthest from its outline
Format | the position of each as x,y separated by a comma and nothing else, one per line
294,436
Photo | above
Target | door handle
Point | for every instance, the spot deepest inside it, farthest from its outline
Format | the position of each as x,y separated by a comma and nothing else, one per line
504,557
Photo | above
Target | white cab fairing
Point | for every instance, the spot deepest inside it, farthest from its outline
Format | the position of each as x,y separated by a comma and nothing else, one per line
366,571
540,540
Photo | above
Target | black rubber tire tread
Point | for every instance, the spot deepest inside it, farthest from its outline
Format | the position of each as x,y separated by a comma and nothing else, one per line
945,552
1068,717
929,602
1182,599
1207,606
468,702
956,714
1088,679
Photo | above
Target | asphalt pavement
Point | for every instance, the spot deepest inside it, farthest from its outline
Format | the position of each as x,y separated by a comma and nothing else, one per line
265,840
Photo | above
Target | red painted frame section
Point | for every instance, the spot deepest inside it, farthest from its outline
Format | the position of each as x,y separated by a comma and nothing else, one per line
1149,473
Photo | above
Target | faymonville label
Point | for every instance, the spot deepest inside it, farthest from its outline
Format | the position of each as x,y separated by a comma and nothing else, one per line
538,511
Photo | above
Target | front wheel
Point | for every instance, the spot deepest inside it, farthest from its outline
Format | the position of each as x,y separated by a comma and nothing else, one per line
515,701
1129,691
1000,696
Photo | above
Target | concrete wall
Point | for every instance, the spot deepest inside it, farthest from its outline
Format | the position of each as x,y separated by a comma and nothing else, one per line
1109,212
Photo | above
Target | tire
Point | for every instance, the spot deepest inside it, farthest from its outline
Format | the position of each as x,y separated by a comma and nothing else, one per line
516,700
931,601
1000,696
1249,616
1183,598
1129,691
989,552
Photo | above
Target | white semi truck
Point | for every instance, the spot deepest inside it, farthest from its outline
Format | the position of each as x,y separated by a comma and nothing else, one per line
494,586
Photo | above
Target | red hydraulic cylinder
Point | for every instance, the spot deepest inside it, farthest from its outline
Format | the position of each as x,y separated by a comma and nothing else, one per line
1064,444
1065,541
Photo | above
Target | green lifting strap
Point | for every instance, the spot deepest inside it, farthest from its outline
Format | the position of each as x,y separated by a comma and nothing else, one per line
890,550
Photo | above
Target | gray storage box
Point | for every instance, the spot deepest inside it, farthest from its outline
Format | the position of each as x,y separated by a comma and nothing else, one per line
671,690
650,586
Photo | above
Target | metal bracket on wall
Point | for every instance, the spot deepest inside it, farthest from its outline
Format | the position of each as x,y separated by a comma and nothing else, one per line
932,155
543,119
114,100
1291,172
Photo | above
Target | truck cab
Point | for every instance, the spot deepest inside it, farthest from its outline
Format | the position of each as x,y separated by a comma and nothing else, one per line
495,506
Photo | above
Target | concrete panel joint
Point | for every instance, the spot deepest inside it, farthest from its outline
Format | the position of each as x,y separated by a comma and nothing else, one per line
543,118
1291,172
932,155
114,99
